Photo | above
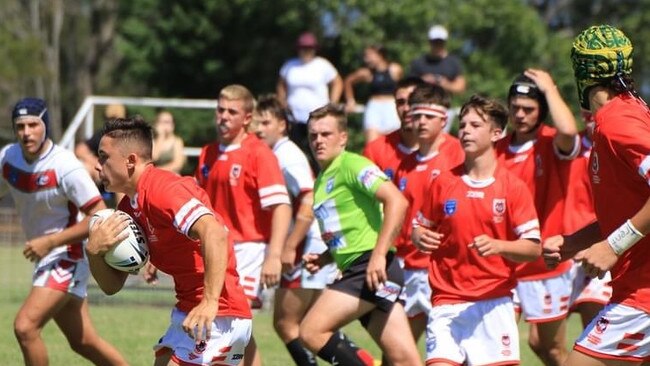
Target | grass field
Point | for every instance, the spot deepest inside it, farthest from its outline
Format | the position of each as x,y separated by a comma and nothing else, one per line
133,326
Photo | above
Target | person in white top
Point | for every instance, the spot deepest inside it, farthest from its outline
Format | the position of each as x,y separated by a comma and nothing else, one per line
307,82
49,187
299,288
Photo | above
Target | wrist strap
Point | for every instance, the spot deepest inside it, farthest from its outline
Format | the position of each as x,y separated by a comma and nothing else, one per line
624,237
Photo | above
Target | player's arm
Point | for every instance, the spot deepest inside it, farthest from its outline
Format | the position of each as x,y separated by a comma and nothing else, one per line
520,250
395,206
565,140
602,256
214,247
562,247
280,222
102,237
361,75
39,247
301,224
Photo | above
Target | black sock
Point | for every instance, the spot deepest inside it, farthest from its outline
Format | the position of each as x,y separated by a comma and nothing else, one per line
301,355
341,351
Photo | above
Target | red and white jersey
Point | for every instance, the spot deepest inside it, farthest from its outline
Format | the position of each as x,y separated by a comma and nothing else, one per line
462,209
620,179
387,152
300,180
538,163
48,194
166,206
242,181
413,178
579,206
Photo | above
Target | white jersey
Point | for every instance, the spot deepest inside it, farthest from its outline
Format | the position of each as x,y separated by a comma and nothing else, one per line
299,179
48,194
307,85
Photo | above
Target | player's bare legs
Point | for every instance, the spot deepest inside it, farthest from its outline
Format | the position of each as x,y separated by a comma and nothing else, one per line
252,355
74,321
548,341
588,311
390,331
163,358
290,307
39,307
418,325
580,359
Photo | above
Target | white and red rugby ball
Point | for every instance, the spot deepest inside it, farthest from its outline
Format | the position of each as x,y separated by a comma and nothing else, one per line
130,254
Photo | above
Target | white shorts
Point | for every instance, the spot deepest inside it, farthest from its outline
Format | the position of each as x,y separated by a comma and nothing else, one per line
416,293
586,289
228,338
473,333
301,278
63,275
381,115
542,301
250,257
618,332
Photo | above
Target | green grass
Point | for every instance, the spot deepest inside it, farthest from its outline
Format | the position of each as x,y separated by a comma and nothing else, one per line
129,322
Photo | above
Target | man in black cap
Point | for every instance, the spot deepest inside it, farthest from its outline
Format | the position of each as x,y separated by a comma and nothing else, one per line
49,187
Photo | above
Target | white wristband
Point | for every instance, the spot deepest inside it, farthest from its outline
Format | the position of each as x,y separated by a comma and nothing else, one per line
624,237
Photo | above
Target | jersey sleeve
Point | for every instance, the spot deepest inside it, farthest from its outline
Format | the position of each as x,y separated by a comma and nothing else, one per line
178,203
633,148
525,224
270,183
298,178
202,169
4,186
363,174
78,185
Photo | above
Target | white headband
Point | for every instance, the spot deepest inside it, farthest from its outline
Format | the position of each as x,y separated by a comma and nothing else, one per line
435,110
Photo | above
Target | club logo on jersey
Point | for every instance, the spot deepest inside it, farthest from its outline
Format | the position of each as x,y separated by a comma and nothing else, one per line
235,173
499,206
329,186
601,325
434,174
402,184
389,173
449,207
369,175
595,167
42,180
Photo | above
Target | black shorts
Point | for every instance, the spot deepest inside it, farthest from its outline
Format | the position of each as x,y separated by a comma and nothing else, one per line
353,282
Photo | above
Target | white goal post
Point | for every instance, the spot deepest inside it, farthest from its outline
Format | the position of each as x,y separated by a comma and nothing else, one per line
85,114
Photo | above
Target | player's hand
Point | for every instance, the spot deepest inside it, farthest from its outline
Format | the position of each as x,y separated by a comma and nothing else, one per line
106,233
271,270
198,322
427,240
350,106
376,272
552,251
542,79
486,246
288,260
150,274
37,248
312,262
597,259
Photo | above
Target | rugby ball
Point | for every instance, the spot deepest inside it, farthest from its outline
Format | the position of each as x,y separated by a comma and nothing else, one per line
130,254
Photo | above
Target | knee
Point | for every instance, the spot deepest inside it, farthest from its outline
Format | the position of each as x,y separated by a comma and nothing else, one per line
308,337
25,329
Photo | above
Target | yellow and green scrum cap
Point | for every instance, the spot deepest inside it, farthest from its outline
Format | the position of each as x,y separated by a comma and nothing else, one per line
599,53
